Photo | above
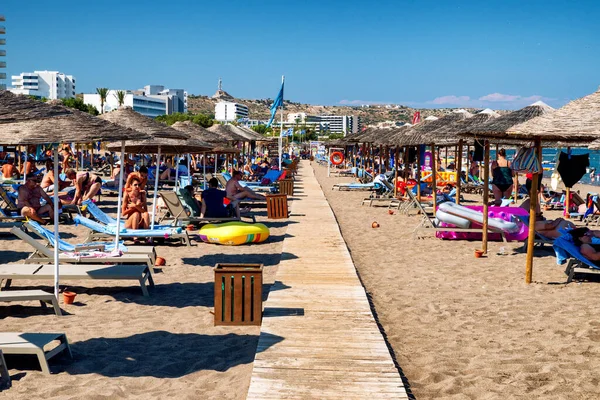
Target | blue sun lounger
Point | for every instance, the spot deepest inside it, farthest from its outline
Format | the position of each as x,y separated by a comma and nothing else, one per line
99,231
106,219
565,249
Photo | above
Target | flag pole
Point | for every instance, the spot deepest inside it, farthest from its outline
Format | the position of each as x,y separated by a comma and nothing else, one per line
281,129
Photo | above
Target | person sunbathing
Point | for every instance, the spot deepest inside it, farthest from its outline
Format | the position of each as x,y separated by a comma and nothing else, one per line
585,239
86,185
48,180
236,192
135,207
29,201
9,170
553,228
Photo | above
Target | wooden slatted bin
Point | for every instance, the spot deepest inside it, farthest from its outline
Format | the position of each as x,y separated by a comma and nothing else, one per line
238,294
286,186
277,207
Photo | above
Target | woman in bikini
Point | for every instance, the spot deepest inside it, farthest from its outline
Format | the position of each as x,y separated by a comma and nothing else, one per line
135,207
502,173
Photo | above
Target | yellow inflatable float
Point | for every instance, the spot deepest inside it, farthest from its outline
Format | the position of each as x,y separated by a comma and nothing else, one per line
234,233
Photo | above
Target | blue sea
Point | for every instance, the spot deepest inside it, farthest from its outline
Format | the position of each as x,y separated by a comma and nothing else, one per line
550,156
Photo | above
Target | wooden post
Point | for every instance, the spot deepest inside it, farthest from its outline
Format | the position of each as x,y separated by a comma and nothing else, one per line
396,152
419,174
532,213
568,196
468,163
77,158
486,195
434,177
458,170
405,157
516,188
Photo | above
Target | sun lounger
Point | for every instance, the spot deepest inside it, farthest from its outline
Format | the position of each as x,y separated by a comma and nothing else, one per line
539,240
31,295
5,382
65,246
106,219
140,273
34,343
179,213
43,254
565,250
99,231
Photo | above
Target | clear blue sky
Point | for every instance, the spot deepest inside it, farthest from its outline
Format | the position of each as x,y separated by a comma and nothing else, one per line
437,53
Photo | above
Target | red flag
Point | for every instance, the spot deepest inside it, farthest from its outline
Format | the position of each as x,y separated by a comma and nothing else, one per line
416,117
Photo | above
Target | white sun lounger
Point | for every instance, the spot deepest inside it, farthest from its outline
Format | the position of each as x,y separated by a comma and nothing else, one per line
43,254
34,343
31,295
140,273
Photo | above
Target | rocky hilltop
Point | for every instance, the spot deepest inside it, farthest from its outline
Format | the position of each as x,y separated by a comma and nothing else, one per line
259,109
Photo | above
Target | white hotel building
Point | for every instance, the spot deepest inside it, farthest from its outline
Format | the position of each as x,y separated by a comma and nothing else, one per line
49,84
226,111
152,101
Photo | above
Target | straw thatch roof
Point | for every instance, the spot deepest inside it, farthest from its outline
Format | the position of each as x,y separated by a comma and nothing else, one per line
128,118
447,135
167,146
498,127
595,145
195,131
254,136
229,132
27,121
219,145
578,121
417,134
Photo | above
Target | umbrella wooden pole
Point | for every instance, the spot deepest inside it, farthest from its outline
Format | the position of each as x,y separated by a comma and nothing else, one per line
405,157
433,177
468,164
120,194
216,163
155,188
380,159
204,171
446,157
567,198
76,159
419,161
92,156
516,188
458,157
532,213
176,163
56,224
486,195
396,171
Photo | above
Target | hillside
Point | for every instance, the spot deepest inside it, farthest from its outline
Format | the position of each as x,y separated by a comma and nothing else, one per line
259,109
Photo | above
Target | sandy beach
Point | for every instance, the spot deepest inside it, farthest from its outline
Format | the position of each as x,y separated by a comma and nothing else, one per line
466,328
127,346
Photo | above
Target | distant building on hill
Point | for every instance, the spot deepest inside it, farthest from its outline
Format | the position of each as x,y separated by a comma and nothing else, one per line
49,84
323,124
151,101
226,111
2,54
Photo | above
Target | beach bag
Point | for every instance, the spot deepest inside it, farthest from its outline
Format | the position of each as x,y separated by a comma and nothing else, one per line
265,182
526,161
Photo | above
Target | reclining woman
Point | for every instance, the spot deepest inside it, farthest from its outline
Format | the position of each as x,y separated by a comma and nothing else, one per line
135,207
588,242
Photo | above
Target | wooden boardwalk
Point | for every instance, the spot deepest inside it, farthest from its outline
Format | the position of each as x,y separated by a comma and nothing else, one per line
318,337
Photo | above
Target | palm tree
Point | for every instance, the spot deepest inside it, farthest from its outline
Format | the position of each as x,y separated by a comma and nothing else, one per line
120,95
103,92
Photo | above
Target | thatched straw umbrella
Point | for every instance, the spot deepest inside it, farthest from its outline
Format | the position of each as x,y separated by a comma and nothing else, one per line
160,135
229,132
27,121
575,123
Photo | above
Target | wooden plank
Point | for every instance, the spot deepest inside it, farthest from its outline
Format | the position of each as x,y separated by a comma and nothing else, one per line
318,336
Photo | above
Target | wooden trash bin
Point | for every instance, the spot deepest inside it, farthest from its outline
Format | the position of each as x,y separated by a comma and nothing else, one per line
286,186
238,294
277,207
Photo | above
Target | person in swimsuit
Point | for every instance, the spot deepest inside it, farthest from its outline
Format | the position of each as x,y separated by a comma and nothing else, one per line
86,185
67,155
582,237
502,174
236,192
48,180
28,167
29,202
9,170
135,206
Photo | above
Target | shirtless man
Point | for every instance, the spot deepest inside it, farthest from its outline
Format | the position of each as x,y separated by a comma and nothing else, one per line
30,195
9,171
48,180
236,192
86,185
